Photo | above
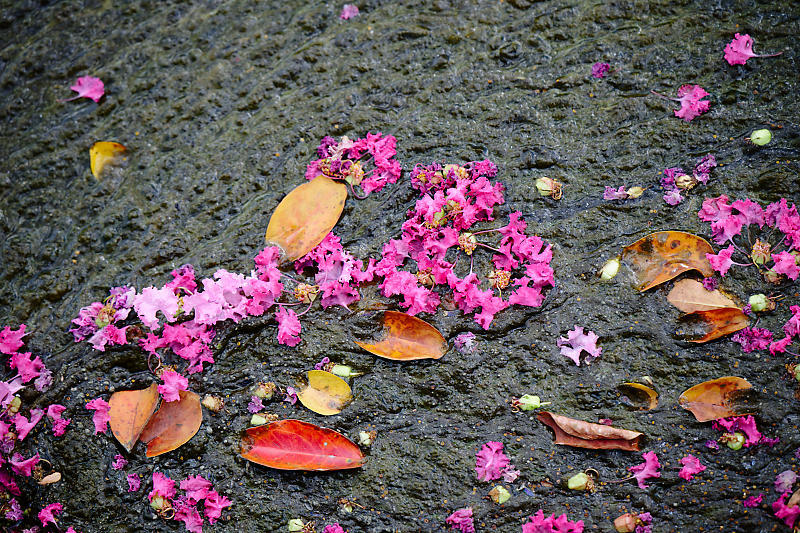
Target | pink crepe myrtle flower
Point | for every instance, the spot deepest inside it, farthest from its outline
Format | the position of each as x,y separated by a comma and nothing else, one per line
291,395
54,413
288,326
745,424
24,426
188,514
162,486
753,501
615,194
119,462
465,342
673,197
787,514
22,466
348,11
28,368
197,487
577,341
334,528
183,280
599,70
134,482
722,261
780,346
255,405
784,481
461,520
510,474
173,384
785,263
48,514
691,467
740,49
753,339
14,511
87,87
101,416
11,341
539,524
153,300
8,389
490,461
110,334
646,470
214,504
691,100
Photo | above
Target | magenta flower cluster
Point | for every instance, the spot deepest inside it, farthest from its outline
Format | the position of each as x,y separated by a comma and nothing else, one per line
747,426
541,524
492,463
163,498
675,180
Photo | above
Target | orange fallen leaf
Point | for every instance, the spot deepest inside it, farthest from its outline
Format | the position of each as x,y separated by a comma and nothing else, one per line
324,393
130,411
406,338
173,424
298,445
717,398
704,326
689,295
661,256
580,434
102,153
640,396
305,216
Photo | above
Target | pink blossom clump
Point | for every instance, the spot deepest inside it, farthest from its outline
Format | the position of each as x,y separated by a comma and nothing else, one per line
752,339
745,425
173,384
333,528
348,11
753,501
740,49
551,524
490,462
134,482
691,467
55,413
101,417
197,490
646,470
87,87
119,462
784,512
599,70
577,341
10,340
691,99
461,520
48,514
676,181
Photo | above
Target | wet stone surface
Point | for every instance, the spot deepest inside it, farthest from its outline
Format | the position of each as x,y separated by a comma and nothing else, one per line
221,105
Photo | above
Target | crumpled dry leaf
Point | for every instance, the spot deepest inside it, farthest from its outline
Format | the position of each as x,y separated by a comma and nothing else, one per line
580,434
717,398
406,338
661,256
689,296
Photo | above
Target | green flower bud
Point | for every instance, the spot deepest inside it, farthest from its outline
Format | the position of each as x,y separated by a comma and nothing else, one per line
15,405
344,371
578,482
758,302
265,390
736,442
761,137
158,503
610,269
295,524
548,187
796,372
529,402
257,420
366,438
499,494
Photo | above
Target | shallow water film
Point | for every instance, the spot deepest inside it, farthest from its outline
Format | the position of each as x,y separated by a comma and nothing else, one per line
222,104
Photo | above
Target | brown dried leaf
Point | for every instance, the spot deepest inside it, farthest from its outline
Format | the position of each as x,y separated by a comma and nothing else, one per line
130,411
661,256
715,399
173,424
704,326
642,397
580,434
305,216
689,295
406,338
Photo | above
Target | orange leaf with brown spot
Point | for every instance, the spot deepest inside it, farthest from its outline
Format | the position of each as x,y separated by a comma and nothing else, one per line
580,434
717,398
130,411
173,424
704,326
305,216
406,338
298,445
661,256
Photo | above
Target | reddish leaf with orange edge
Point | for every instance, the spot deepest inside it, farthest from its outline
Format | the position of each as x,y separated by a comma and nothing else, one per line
661,256
130,411
305,216
704,326
580,434
173,424
717,398
406,338
298,445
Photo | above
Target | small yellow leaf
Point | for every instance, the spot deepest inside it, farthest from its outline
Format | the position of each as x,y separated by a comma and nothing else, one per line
639,396
325,393
102,153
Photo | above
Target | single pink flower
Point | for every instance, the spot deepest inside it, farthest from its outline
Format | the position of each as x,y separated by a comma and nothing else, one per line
48,514
196,487
11,341
173,384
787,514
722,261
577,341
784,481
691,467
647,469
22,466
673,197
214,504
785,263
753,501
740,49
101,416
461,520
288,326
490,461
190,517
162,486
54,413
23,426
28,368
87,87
134,482
615,194
334,528
152,300
599,70
119,462
691,99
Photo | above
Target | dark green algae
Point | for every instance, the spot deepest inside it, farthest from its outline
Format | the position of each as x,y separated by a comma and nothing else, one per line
221,105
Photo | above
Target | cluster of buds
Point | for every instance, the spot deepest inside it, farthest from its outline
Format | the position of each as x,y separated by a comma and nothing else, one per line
499,279
306,293
549,187
467,242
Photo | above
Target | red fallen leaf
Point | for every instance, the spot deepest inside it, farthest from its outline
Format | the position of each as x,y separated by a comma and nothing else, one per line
704,326
661,256
580,434
298,445
130,411
715,399
406,338
173,424
305,216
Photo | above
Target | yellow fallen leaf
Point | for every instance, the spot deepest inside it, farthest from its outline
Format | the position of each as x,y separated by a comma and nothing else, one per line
325,393
102,153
